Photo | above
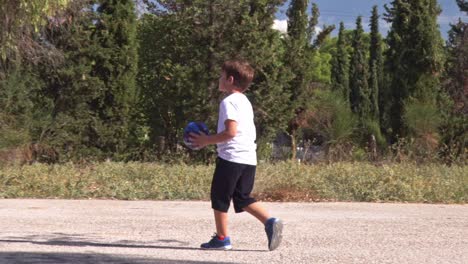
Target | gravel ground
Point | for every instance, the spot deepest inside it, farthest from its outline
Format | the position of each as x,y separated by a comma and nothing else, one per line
102,231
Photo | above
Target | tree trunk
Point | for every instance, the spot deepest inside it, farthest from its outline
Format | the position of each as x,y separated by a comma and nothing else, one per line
292,135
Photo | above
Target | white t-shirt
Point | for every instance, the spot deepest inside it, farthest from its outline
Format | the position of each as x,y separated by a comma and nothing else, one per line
242,148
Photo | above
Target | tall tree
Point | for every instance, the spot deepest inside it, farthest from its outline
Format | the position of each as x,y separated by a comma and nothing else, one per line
313,22
358,73
375,66
70,87
169,75
301,54
463,4
340,65
182,50
93,89
414,56
298,41
298,22
457,62
22,47
455,126
115,66
316,39
266,51
19,21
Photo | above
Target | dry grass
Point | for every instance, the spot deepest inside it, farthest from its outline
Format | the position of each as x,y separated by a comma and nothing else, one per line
433,183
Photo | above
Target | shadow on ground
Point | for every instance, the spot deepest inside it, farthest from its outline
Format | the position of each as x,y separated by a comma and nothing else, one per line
69,240
84,258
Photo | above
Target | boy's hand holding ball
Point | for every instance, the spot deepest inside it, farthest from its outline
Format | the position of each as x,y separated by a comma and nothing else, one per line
195,135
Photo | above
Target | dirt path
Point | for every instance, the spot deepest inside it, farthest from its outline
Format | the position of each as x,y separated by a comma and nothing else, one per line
90,231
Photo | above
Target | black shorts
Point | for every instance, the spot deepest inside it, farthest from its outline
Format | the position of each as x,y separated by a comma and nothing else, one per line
232,181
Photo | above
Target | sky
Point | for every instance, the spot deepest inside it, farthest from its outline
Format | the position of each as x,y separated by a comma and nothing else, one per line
335,11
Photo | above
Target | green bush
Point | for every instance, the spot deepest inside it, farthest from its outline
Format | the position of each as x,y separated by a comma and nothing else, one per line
332,117
372,127
16,107
421,117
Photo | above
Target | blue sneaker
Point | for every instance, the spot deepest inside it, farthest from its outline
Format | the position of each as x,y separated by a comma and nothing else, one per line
273,229
216,244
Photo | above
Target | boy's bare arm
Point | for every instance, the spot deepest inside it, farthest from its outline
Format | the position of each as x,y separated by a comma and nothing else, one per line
227,134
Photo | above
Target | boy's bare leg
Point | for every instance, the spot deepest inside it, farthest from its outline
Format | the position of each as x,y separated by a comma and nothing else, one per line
273,226
258,211
221,219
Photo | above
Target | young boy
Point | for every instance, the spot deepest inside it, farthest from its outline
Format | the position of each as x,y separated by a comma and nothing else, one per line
234,174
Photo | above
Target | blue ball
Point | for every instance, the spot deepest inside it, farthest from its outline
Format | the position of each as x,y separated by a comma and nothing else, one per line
196,128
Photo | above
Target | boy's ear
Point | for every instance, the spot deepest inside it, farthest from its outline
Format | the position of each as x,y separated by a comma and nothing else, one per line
230,79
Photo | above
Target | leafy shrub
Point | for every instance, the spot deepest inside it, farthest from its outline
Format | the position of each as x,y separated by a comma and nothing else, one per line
422,118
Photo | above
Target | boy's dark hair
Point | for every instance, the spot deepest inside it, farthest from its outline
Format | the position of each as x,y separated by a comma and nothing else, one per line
241,71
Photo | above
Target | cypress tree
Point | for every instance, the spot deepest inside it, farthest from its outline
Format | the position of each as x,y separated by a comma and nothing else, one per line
182,50
298,37
266,52
298,40
298,23
340,65
358,73
455,110
300,56
457,61
93,90
398,15
181,46
115,66
24,110
313,22
463,5
69,87
20,24
414,56
375,66
314,44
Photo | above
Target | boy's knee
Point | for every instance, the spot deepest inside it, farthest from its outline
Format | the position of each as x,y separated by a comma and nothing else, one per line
220,205
239,205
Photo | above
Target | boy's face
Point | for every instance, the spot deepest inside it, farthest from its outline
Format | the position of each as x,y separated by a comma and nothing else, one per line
225,83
